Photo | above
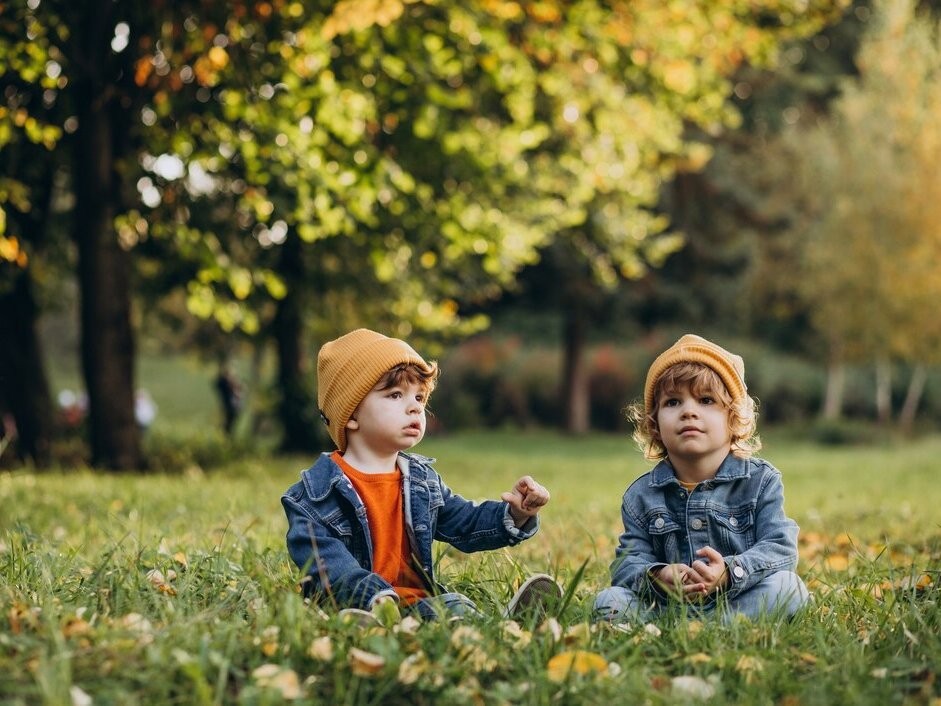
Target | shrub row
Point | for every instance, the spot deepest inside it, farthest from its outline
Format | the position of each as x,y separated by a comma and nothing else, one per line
498,381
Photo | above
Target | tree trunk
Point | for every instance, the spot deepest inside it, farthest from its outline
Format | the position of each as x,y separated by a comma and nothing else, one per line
883,392
24,385
916,386
575,392
103,265
833,396
24,388
298,409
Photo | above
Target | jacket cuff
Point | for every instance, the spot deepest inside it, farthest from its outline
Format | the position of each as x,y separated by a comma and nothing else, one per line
738,575
384,593
648,585
529,528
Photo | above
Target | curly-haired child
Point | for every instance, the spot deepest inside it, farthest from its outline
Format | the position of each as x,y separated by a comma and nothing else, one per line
706,526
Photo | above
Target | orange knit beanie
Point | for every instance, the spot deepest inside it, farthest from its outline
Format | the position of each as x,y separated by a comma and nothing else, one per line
694,349
349,367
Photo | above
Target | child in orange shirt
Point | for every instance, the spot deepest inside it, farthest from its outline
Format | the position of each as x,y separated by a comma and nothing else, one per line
362,519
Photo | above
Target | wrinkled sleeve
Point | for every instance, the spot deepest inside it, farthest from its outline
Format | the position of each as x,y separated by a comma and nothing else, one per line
329,567
473,527
775,548
634,557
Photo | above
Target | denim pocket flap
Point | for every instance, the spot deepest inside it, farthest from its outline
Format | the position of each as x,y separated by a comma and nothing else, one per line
339,523
735,520
661,524
435,498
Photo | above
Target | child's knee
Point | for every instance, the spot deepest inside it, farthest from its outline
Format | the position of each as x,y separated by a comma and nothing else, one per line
615,604
784,591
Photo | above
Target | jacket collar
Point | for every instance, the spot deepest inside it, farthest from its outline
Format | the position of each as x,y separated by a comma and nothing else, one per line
732,468
321,478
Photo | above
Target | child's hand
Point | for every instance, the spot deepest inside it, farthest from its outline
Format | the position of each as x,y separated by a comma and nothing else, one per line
711,570
525,500
680,580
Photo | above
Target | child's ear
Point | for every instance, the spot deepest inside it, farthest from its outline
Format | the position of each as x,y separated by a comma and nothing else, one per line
352,423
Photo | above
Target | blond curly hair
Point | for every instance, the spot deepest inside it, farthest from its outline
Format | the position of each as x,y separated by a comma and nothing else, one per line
702,381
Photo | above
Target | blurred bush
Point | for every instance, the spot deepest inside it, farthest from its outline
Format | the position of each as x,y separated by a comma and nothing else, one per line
176,451
495,380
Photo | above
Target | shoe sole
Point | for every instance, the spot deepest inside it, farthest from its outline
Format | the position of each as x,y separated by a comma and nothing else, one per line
535,593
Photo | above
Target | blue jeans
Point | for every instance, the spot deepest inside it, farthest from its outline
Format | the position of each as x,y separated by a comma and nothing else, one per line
782,593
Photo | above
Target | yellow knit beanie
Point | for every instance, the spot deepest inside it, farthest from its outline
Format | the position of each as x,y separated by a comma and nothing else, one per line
349,367
694,349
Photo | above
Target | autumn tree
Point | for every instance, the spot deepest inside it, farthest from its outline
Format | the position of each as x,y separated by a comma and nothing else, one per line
29,169
629,107
865,206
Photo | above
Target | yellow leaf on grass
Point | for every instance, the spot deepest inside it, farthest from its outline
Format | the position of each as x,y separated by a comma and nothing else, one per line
579,662
837,562
321,649
273,676
699,658
412,667
747,663
75,626
365,664
749,667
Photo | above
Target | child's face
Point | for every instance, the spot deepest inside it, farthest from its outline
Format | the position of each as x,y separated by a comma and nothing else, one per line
693,427
390,419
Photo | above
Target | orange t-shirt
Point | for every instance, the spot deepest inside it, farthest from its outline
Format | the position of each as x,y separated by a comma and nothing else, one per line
381,493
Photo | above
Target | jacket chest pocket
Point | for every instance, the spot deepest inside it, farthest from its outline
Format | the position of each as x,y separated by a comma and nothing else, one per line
735,528
664,534
435,499
339,524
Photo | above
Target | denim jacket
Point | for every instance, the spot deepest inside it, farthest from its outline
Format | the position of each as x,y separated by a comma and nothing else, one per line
328,533
739,513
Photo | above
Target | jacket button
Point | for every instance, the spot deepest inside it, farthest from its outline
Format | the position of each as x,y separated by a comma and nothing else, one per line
659,523
738,572
697,524
733,521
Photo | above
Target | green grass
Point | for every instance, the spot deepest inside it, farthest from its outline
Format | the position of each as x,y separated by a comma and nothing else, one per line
81,612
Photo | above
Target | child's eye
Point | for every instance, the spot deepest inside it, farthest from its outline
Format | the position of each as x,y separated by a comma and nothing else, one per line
394,394
671,402
707,400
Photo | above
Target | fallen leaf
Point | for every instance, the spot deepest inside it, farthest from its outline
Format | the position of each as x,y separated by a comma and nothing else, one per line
79,697
408,626
512,631
837,562
321,649
577,634
412,667
552,628
365,664
74,627
652,630
580,662
749,667
281,679
692,687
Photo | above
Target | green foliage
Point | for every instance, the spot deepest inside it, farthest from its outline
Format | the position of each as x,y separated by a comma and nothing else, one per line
157,589
864,203
178,451
840,432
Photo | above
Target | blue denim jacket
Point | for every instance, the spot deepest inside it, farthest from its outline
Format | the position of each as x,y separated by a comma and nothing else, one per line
739,513
328,534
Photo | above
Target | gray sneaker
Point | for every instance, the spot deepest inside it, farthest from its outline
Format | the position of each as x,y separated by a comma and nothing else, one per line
535,597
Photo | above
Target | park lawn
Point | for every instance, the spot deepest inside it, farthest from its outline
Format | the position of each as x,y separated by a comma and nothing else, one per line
157,589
